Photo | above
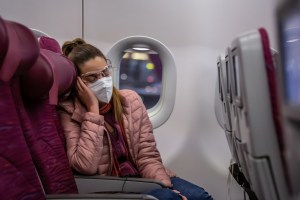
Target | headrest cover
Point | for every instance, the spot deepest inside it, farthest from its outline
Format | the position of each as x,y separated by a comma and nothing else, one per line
64,73
52,75
49,44
3,40
23,50
38,80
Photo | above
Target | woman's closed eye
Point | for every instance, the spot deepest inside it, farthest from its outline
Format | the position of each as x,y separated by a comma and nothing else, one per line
92,77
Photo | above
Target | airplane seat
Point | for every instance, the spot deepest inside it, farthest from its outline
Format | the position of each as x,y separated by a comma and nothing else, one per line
46,42
218,106
271,56
50,44
62,84
41,86
3,40
19,179
219,97
222,111
226,116
255,97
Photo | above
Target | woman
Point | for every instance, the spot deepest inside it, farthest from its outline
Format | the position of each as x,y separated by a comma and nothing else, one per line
108,131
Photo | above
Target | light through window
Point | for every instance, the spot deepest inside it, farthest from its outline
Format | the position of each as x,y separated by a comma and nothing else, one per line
141,71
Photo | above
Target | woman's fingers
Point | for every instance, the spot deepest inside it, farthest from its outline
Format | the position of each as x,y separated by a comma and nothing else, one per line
182,196
78,85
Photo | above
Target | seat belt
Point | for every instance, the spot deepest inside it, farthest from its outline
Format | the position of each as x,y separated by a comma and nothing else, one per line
241,180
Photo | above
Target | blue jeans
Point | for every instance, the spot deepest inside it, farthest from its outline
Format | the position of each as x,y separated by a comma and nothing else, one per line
189,190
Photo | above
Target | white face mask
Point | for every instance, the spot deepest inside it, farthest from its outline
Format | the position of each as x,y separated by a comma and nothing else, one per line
103,88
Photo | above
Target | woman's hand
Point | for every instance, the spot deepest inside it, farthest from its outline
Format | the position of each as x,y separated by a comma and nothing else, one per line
87,97
182,196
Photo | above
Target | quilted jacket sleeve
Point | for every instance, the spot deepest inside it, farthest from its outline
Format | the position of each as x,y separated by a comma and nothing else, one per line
84,141
149,160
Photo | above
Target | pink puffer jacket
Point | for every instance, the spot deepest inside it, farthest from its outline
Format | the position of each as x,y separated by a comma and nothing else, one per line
88,145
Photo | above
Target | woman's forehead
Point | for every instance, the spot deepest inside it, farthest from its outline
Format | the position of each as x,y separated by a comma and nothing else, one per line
94,64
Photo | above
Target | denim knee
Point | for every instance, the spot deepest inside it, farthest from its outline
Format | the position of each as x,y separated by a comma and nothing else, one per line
190,190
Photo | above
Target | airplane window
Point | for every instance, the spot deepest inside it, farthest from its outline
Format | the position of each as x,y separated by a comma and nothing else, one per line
142,71
291,68
147,66
236,76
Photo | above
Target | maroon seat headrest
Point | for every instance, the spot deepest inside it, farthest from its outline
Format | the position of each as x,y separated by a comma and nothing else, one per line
53,74
22,52
38,80
50,44
3,40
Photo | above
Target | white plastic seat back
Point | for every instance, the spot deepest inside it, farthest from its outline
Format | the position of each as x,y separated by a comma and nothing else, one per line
224,116
239,173
258,145
222,92
218,102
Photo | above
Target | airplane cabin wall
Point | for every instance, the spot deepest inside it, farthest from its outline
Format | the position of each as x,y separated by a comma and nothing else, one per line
59,19
191,142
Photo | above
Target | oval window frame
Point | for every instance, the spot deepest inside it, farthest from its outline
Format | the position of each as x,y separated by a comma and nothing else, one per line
161,112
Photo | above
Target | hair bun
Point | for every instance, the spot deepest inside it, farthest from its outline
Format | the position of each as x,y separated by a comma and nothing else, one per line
78,41
68,46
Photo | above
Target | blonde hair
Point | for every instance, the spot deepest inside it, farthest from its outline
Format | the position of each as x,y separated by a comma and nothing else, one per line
117,105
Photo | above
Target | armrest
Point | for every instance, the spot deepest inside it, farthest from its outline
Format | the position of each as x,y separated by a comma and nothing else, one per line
96,183
141,185
100,196
92,184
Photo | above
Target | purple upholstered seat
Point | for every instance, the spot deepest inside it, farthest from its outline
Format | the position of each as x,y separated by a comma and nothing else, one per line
49,44
3,40
51,76
18,177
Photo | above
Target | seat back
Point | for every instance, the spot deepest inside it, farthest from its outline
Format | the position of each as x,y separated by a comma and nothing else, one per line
288,20
219,113
51,76
18,177
3,40
229,86
222,93
49,44
255,99
219,100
